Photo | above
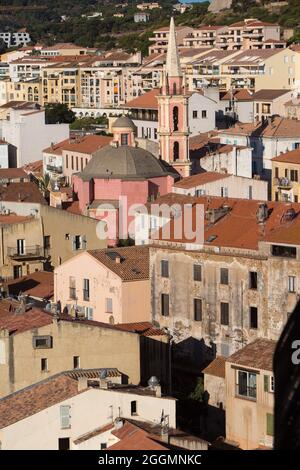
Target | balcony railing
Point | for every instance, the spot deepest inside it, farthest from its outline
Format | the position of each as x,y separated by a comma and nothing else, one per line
35,251
55,169
282,182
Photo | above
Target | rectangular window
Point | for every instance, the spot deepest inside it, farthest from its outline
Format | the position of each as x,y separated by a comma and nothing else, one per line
292,284
246,384
165,305
78,242
109,305
103,446
224,192
65,418
284,251
224,276
67,161
133,407
72,162
124,139
224,313
72,287
252,280
195,114
47,242
86,290
76,362
197,272
270,424
204,114
276,172
64,443
44,364
197,309
42,342
77,164
164,268
21,247
294,175
253,318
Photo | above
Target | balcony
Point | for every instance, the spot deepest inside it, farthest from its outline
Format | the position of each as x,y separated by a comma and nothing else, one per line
29,252
283,183
55,169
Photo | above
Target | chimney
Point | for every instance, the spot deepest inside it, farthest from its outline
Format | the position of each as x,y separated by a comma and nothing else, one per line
118,259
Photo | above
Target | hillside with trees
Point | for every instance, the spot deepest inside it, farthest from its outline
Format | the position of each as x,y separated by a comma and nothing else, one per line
67,21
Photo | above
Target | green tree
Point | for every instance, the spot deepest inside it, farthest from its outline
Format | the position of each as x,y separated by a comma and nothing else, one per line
197,394
58,113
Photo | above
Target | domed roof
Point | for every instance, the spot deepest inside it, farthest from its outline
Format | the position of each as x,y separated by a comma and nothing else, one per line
123,122
124,162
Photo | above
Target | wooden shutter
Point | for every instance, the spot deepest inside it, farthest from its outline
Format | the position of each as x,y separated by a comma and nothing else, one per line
65,417
266,383
270,424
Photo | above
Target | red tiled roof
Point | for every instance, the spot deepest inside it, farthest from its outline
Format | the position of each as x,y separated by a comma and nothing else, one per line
134,438
229,231
34,167
146,101
87,144
39,285
11,173
21,192
134,263
13,219
142,328
33,399
277,127
216,367
258,355
289,157
199,179
18,323
269,95
238,95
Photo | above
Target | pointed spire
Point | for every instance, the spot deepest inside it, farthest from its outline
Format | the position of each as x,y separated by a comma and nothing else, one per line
173,68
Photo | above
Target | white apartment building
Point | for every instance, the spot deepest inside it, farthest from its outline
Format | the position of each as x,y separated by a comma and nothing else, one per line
25,129
20,38
223,185
81,404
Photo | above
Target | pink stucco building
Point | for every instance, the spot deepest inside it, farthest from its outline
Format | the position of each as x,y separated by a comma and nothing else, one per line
121,170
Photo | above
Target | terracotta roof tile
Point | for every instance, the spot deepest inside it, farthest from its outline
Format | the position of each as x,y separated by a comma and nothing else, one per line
199,179
229,230
146,101
87,144
39,285
277,127
12,173
269,95
16,322
258,355
21,192
216,367
133,265
142,328
133,438
35,398
289,157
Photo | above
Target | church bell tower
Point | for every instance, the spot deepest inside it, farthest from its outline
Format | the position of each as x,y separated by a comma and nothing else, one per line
173,102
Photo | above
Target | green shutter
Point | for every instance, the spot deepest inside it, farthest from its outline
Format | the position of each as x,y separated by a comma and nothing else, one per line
270,424
266,383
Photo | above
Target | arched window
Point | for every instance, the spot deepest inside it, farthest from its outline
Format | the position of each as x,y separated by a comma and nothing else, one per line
175,118
176,151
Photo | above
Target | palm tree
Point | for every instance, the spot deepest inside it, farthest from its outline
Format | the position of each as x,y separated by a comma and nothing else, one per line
45,184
